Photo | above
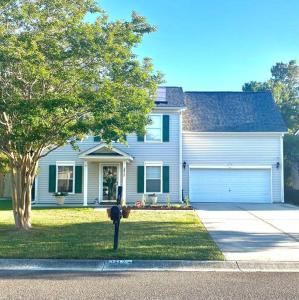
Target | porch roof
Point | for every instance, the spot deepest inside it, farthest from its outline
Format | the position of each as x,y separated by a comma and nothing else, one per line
103,152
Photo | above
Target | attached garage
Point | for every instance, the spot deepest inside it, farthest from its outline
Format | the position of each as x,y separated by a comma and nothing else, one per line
230,185
232,148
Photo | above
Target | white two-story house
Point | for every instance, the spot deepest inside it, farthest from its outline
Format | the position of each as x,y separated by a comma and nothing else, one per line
209,146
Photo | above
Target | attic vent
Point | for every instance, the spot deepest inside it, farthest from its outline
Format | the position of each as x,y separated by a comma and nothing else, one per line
161,95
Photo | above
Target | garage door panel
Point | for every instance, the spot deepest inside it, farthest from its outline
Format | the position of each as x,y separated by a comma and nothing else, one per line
230,185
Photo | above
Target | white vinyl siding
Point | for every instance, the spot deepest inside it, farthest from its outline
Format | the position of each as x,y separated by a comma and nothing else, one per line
168,153
234,149
230,185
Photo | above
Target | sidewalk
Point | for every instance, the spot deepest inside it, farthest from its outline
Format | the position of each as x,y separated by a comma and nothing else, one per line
144,265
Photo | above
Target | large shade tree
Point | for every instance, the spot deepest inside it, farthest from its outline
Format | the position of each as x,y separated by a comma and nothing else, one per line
62,78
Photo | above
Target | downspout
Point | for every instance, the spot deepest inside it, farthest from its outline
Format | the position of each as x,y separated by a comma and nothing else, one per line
180,157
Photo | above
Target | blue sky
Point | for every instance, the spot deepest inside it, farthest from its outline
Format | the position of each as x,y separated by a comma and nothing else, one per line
215,44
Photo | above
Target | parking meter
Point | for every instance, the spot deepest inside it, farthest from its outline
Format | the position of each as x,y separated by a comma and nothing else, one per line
116,214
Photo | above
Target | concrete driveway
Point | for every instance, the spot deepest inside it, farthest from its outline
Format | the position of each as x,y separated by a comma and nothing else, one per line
268,232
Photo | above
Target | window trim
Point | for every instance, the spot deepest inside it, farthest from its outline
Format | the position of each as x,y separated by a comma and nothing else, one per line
153,164
66,164
161,131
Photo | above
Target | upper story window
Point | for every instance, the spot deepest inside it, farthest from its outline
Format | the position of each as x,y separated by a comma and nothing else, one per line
65,178
154,130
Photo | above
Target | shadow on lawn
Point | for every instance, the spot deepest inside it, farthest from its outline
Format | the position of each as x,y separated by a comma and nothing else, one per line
138,239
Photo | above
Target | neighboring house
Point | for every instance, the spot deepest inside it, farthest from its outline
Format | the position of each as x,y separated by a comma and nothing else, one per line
210,146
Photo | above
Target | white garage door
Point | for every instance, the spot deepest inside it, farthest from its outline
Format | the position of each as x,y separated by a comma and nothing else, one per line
230,185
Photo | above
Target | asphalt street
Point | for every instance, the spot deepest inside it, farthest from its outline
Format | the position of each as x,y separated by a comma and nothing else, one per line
148,285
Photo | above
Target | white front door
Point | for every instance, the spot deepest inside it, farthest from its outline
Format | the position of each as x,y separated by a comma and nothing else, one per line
109,180
230,185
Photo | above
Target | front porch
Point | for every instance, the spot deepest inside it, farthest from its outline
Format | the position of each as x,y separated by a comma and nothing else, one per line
104,170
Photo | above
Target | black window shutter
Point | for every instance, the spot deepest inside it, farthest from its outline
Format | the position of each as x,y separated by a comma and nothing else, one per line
140,179
78,179
140,138
165,128
52,178
96,139
165,179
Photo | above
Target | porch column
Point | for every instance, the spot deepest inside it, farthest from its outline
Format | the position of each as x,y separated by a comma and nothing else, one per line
85,182
124,183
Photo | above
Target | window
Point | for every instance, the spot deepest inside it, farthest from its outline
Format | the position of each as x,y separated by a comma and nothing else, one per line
161,95
153,179
65,178
154,130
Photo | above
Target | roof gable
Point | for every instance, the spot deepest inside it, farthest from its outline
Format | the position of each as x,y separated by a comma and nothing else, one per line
232,112
104,151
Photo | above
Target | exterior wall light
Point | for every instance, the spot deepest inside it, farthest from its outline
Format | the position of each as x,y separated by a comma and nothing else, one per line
184,165
277,165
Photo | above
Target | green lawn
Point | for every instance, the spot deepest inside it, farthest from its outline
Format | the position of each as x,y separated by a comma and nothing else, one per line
86,233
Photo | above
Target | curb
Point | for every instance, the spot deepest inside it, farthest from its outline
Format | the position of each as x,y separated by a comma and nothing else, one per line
72,265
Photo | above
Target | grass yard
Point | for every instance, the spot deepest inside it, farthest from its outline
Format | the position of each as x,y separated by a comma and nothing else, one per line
87,233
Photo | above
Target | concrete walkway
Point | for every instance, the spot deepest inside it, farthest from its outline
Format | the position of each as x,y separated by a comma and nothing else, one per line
253,232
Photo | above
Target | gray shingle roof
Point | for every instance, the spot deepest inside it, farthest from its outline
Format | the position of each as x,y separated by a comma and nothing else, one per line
174,97
232,112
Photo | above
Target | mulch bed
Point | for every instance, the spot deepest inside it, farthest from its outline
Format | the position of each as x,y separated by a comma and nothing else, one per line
157,207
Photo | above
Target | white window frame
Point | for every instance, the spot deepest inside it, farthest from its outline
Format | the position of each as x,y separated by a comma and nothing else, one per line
161,130
66,164
153,164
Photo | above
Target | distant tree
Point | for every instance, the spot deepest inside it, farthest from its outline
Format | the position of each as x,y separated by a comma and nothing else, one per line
255,86
62,78
284,85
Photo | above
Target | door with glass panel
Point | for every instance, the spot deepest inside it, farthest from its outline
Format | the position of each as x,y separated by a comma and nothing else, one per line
109,182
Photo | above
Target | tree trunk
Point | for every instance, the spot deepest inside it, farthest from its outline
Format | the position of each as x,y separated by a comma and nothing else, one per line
22,177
